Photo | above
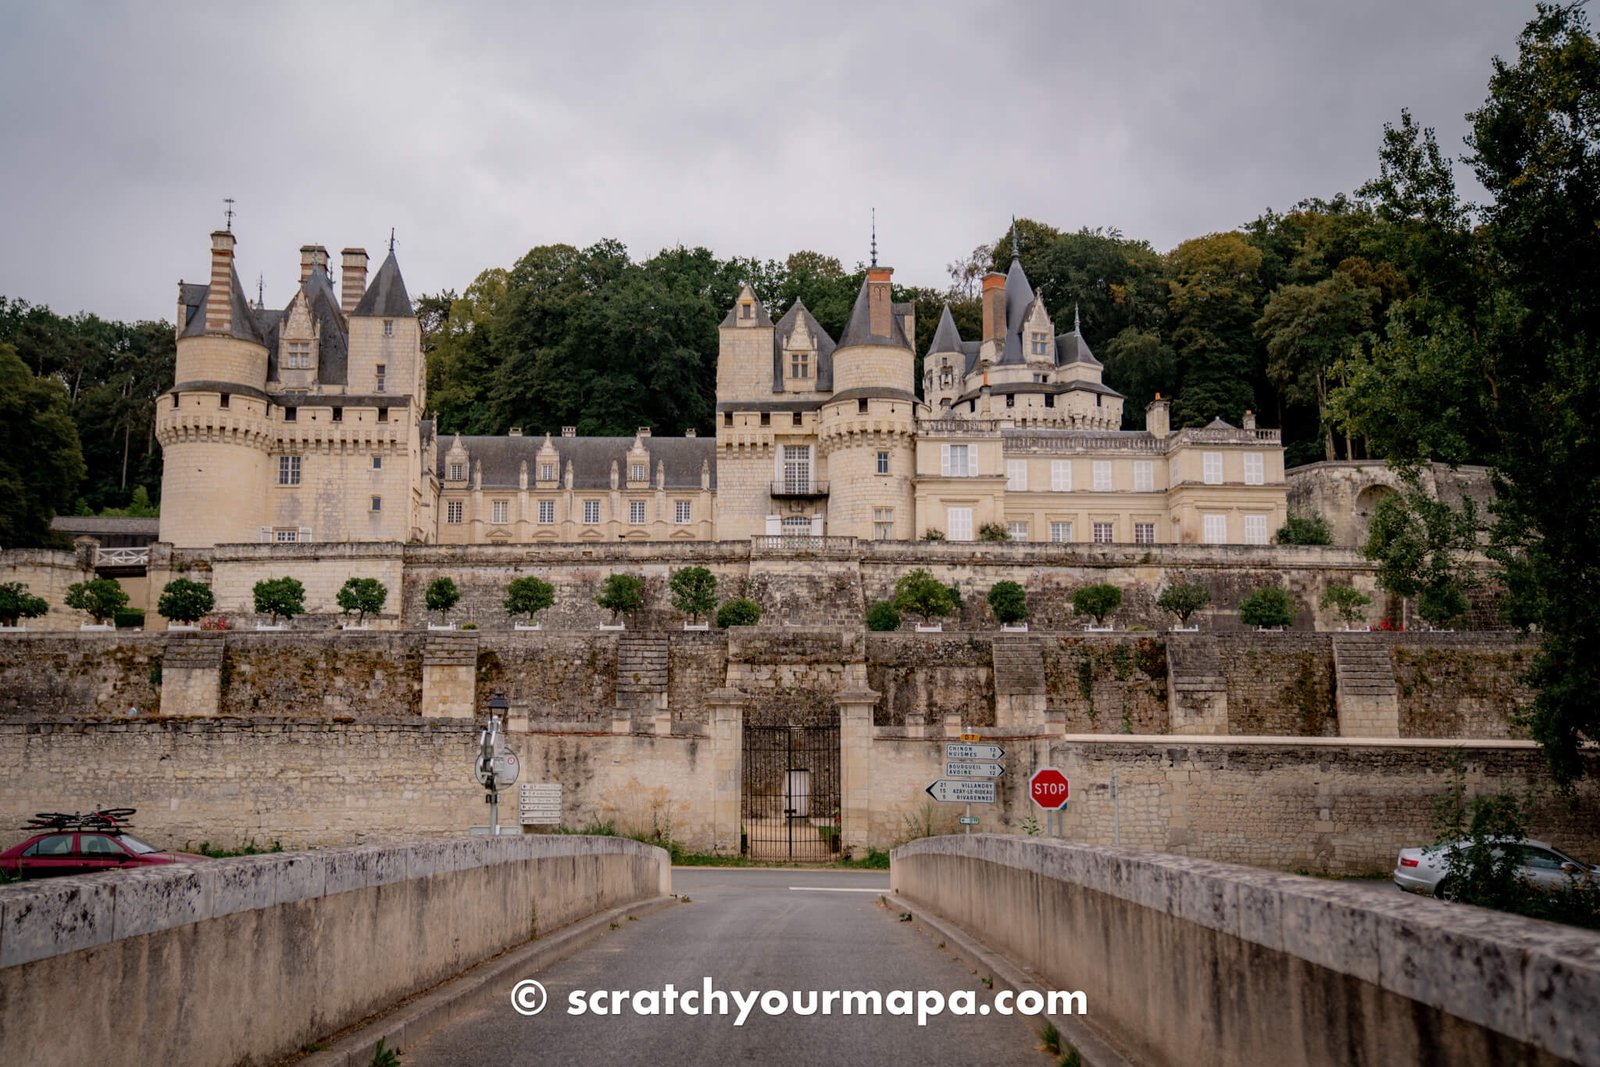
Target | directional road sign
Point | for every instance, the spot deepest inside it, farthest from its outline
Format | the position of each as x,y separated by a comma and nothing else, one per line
969,820
955,751
949,792
973,770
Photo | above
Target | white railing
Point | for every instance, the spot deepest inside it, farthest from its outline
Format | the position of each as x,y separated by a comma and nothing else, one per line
122,557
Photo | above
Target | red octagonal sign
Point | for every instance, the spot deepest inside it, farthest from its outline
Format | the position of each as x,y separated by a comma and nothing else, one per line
1048,788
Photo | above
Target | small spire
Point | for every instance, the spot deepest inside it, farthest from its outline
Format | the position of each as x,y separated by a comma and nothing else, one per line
228,211
1075,317
261,291
874,237
391,240
1016,250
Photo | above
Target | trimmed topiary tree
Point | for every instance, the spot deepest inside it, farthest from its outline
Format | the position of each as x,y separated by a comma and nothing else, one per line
1346,601
1183,599
1267,606
528,596
364,596
1097,600
920,593
740,612
882,617
1009,602
621,594
185,601
694,592
100,598
17,603
441,595
1304,529
279,598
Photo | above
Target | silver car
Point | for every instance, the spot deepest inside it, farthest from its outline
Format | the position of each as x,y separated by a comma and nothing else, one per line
1541,865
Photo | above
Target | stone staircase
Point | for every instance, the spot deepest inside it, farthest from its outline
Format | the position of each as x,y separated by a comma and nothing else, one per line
1197,688
641,670
1364,687
1018,665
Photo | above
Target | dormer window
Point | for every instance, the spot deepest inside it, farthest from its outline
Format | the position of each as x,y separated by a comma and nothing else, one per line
747,310
547,472
298,356
458,472
800,365
1040,344
636,472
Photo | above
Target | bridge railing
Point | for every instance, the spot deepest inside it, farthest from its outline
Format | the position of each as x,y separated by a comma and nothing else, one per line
122,557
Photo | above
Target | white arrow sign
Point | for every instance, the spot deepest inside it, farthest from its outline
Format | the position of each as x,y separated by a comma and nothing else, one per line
962,792
973,770
955,751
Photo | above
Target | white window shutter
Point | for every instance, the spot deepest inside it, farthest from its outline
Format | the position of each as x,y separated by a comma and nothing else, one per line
305,533
816,526
266,535
944,461
774,525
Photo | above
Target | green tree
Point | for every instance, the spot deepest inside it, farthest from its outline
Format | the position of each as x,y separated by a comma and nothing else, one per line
1418,543
993,531
17,603
882,617
621,594
1346,601
919,593
99,598
441,595
1009,602
1310,330
1183,599
1269,605
1098,601
738,612
364,596
528,596
41,463
184,600
694,591
1214,292
1301,528
279,598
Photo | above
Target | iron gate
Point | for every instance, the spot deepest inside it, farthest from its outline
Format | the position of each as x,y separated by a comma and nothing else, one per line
791,792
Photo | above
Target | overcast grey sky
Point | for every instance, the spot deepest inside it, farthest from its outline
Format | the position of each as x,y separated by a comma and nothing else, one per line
479,130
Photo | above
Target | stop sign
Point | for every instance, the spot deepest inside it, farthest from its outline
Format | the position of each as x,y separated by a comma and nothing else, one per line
1048,788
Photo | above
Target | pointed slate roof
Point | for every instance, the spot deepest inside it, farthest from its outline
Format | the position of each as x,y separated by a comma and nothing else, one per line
762,317
591,459
1019,295
858,331
386,297
1072,348
244,325
798,313
946,338
1219,423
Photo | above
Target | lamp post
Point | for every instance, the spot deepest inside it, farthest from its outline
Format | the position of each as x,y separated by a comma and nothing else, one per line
489,752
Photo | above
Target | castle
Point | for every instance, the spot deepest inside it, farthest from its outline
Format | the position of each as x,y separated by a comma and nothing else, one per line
310,424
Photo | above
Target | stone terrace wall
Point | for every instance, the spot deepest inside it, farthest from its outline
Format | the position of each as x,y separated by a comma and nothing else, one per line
1279,684
927,677
1461,685
354,675
79,675
793,675
571,677
47,573
1107,683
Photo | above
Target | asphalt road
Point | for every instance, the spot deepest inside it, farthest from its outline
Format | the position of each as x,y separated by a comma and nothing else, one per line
747,930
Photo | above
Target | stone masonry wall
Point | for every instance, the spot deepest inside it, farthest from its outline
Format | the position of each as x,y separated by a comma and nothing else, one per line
1107,683
79,675
928,677
351,675
47,573
1461,685
1279,684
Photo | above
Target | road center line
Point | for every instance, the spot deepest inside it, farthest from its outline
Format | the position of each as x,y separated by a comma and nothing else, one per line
832,889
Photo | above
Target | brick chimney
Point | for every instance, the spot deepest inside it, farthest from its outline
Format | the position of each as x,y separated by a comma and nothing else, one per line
1249,420
352,279
880,307
219,298
994,306
308,261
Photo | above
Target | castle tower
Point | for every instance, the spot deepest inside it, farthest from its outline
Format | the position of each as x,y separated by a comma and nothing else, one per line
866,428
213,423
945,366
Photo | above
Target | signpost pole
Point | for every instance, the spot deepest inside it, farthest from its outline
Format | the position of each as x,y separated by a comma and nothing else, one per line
1116,812
965,821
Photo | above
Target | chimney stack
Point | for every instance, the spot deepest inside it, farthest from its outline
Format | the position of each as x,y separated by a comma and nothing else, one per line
219,298
880,306
1158,417
994,306
308,261
1249,420
353,278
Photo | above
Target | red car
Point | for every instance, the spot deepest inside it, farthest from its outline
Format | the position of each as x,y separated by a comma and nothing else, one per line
83,844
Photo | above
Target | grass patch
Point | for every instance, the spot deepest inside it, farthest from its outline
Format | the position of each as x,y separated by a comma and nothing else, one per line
216,852
876,859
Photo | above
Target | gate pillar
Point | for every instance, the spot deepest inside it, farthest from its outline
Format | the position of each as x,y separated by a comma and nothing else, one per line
727,768
855,766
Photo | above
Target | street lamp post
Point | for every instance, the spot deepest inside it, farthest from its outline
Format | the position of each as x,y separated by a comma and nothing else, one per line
495,760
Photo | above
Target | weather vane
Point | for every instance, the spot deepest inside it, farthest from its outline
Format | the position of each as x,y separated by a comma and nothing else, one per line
874,237
229,211
391,240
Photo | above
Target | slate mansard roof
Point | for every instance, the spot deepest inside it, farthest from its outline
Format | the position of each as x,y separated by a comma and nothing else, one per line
590,457
1070,348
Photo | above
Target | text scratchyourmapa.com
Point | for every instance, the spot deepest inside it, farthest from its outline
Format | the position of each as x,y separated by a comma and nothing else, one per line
529,997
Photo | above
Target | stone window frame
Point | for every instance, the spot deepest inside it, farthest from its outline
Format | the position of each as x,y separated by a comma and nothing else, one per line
947,461
1255,467
1144,533
1255,530
1103,476
1213,528
457,473
1211,468
1104,533
591,512
1144,477
376,505
883,524
547,512
499,512
453,512
1061,533
289,470
883,463
682,512
800,365
958,531
1061,476
1019,527
1016,476
636,513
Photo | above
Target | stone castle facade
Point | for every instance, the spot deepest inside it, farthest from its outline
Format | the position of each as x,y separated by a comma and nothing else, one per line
309,424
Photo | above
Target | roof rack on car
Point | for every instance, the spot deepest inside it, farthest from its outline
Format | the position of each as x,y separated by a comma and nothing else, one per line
106,820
